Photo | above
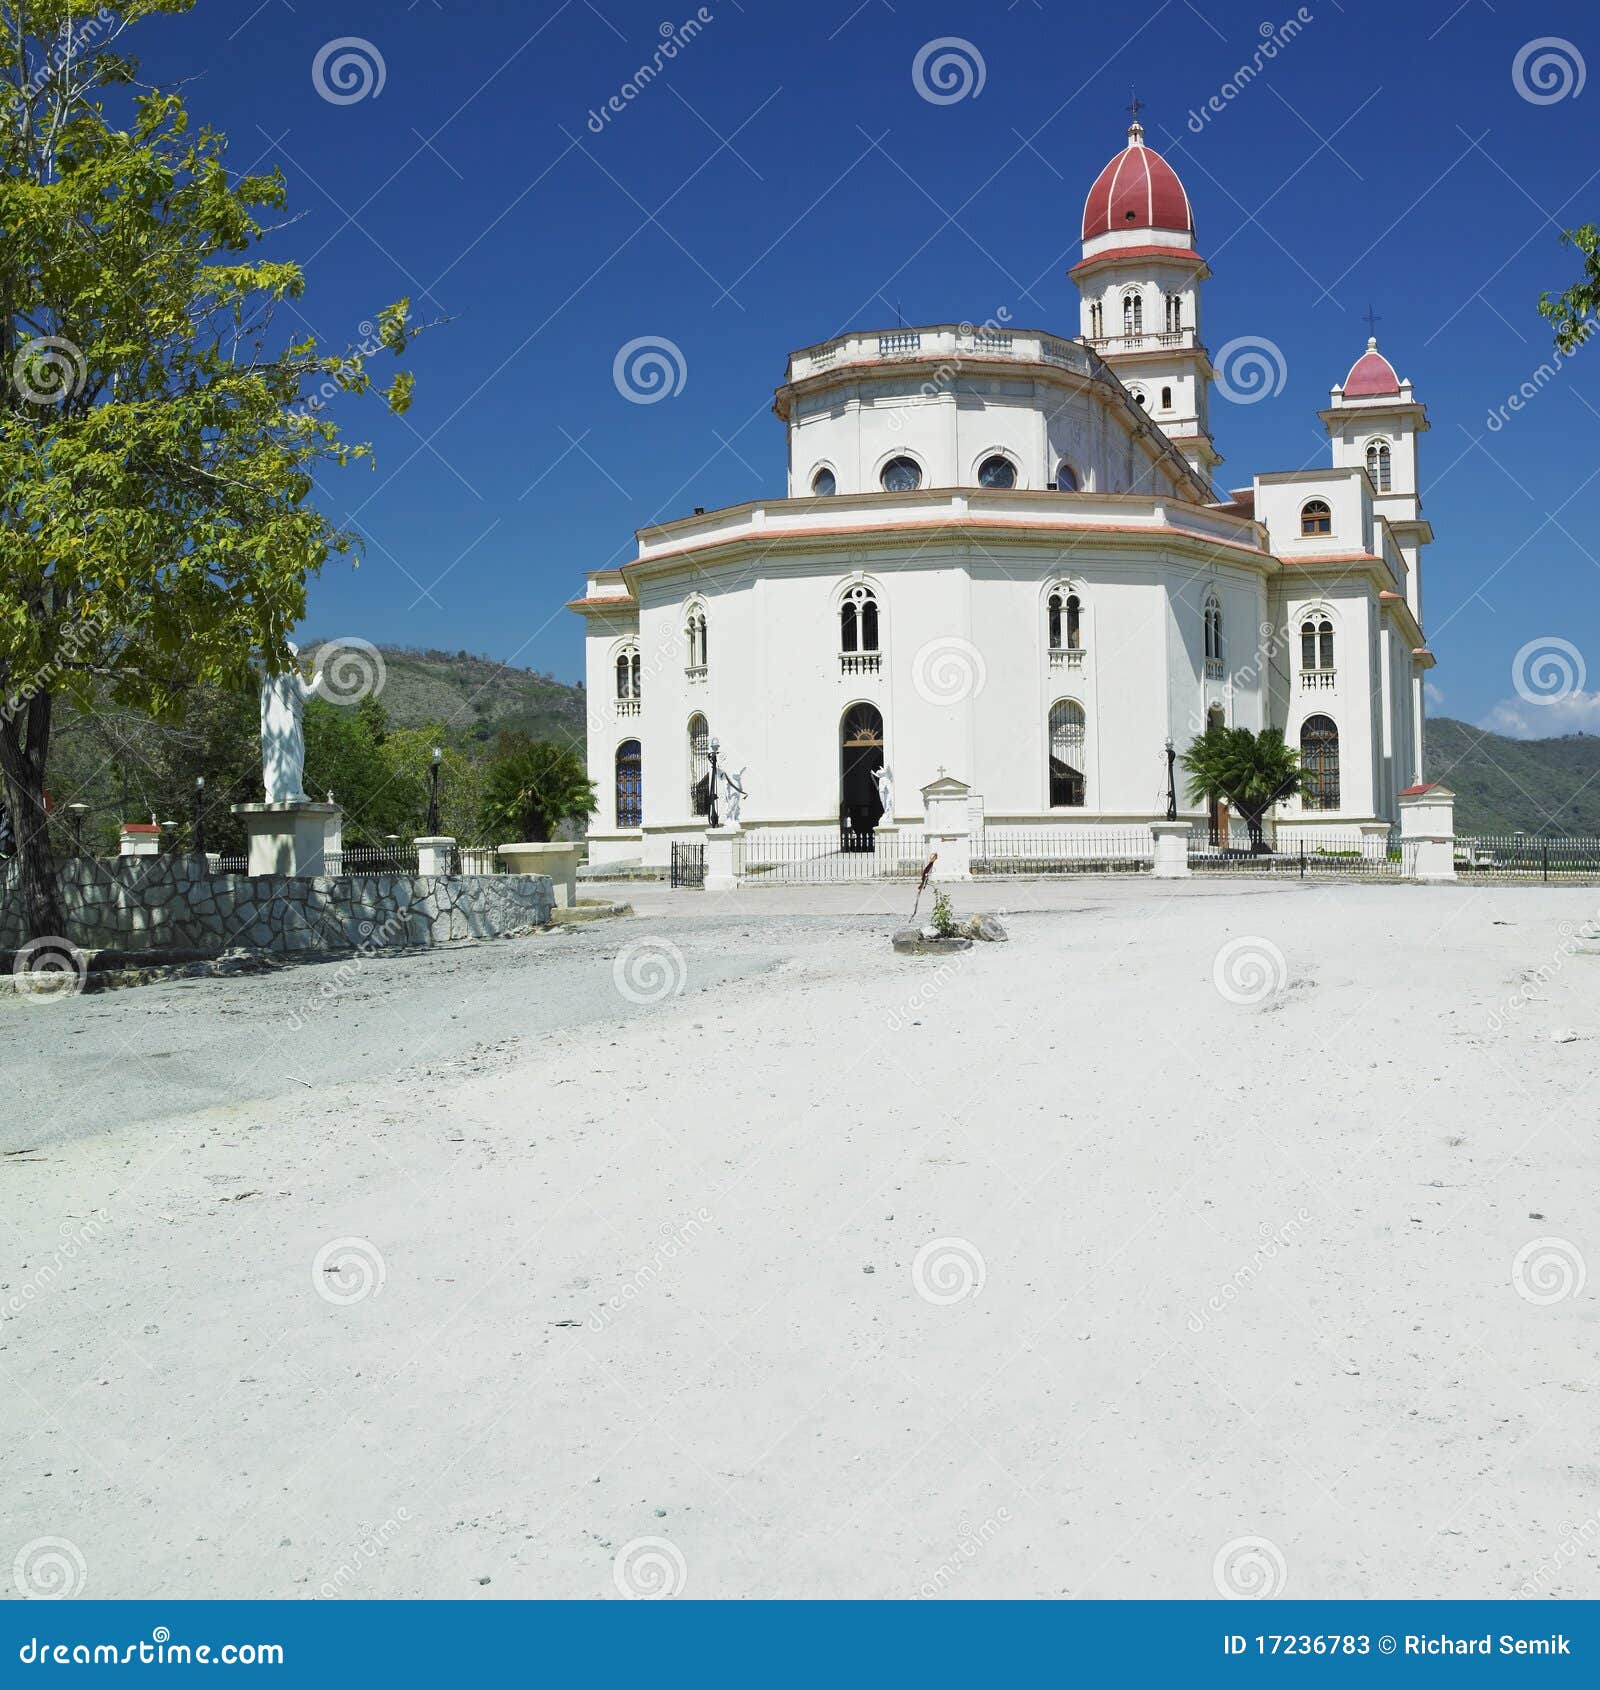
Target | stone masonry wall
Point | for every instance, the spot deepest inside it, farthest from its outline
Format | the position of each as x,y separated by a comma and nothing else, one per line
181,903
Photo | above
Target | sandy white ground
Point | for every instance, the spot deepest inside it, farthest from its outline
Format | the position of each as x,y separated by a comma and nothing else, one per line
649,1269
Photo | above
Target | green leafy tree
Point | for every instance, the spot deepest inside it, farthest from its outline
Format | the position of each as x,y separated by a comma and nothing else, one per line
1251,770
347,754
156,459
1572,313
409,752
532,787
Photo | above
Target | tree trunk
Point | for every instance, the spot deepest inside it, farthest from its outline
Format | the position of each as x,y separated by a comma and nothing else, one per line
1258,842
24,743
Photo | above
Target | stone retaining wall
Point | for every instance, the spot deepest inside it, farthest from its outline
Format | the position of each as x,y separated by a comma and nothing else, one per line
181,903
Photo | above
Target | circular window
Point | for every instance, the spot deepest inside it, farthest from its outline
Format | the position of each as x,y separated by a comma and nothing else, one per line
1066,479
824,485
901,475
997,472
1137,394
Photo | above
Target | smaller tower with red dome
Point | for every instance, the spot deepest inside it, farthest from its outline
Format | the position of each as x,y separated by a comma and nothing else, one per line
1139,282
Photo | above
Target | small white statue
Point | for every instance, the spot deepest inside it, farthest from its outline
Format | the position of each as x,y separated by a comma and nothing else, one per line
885,782
283,732
733,795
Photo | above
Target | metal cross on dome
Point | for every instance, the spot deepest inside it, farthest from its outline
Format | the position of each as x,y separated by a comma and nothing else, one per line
1135,105
1372,319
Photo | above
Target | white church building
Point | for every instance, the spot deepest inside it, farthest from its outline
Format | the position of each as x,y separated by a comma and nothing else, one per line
1001,560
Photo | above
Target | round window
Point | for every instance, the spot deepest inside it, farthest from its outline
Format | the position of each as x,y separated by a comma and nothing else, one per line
1066,479
997,472
824,485
901,475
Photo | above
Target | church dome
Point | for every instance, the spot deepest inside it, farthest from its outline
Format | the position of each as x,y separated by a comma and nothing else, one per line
1372,375
1138,189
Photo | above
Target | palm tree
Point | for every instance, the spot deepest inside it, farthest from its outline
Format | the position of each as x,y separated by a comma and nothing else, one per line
1251,770
532,787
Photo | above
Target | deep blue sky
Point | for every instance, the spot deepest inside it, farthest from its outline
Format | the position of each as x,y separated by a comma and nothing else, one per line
1384,157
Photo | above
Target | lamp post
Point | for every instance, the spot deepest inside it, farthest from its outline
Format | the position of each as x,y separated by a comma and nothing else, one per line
77,812
711,797
200,815
170,828
433,794
1172,782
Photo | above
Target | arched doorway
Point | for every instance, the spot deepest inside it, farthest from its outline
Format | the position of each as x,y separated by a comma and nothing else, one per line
630,785
1319,764
860,756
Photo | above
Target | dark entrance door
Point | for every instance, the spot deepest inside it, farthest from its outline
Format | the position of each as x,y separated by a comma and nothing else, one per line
860,754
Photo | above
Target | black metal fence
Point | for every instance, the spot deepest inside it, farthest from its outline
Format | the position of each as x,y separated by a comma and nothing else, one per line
688,865
807,856
1304,853
1010,850
1523,858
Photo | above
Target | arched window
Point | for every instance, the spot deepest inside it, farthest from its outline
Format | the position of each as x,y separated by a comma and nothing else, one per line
1132,314
1378,465
1097,321
1064,620
1068,731
695,634
901,475
633,665
630,785
1316,643
699,766
627,674
824,483
1166,399
1066,478
1174,312
1213,633
1319,764
858,620
998,471
1315,518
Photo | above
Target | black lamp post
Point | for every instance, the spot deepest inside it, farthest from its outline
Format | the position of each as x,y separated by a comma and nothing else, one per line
200,815
433,794
77,812
711,796
1172,782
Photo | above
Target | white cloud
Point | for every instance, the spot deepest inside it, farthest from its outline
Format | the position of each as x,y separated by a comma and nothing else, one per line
1434,695
1517,718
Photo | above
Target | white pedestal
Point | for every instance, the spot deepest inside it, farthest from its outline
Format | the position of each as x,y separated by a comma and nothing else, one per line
288,838
1428,832
722,858
558,858
1172,850
140,839
1374,841
436,854
946,803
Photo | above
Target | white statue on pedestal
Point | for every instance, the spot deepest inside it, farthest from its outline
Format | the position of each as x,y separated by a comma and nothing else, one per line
733,795
283,732
885,782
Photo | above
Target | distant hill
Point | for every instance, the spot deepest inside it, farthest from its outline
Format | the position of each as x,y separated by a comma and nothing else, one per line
474,698
1501,785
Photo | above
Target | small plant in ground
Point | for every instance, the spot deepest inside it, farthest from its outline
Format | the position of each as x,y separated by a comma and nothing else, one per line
944,917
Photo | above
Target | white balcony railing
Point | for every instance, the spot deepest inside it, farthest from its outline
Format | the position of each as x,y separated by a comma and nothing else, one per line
891,345
860,662
1213,668
1066,657
627,707
1317,680
695,672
